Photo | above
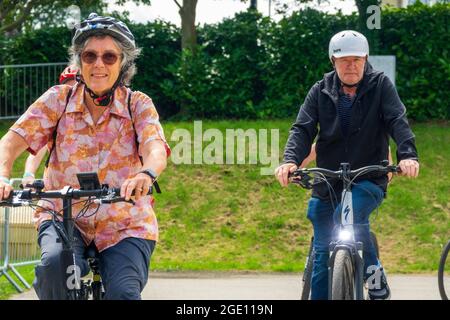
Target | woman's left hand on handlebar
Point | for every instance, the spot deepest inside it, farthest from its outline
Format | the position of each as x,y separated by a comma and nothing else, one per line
141,184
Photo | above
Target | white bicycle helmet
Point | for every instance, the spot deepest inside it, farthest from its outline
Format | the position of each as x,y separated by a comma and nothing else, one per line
348,43
96,24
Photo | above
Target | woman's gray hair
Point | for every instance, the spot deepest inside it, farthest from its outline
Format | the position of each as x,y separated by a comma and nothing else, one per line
129,55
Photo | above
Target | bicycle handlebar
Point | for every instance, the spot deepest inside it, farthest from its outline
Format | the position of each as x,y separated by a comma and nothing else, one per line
303,176
99,195
102,196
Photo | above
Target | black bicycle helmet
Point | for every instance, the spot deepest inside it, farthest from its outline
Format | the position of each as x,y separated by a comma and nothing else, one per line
96,24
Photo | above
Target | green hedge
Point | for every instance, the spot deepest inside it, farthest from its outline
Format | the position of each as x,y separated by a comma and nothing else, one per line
160,43
226,76
251,67
420,39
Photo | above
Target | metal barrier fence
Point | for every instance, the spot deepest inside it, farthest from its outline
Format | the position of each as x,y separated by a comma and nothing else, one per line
18,241
22,84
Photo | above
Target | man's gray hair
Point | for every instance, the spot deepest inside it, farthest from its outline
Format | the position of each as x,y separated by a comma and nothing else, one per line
129,55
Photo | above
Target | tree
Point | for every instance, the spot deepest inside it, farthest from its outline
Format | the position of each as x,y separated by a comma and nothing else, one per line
187,13
362,6
14,13
18,14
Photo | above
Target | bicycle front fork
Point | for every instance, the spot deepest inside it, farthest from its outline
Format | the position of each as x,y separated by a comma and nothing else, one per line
356,252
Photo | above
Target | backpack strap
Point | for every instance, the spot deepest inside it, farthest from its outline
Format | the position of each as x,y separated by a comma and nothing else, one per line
134,128
55,132
155,183
65,107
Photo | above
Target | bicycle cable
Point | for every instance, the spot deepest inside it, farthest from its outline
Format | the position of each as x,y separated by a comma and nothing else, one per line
321,177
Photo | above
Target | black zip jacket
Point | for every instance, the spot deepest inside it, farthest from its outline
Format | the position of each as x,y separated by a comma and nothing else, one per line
376,114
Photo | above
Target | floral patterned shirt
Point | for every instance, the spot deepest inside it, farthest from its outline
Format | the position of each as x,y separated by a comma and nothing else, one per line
108,148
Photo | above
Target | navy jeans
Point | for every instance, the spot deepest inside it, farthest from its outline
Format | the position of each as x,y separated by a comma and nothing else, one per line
366,197
123,267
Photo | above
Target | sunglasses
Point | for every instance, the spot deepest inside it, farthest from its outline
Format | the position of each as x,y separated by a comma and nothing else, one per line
90,57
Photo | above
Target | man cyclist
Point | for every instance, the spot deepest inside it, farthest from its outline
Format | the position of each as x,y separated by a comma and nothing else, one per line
356,109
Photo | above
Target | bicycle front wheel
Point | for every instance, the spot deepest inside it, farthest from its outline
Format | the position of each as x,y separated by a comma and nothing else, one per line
343,281
444,273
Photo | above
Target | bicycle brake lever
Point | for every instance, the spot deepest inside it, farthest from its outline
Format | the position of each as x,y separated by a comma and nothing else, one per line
114,200
304,180
11,203
4,203
123,200
7,201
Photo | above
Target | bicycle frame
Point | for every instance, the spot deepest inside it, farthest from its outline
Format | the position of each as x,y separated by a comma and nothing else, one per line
346,235
76,289
346,239
67,250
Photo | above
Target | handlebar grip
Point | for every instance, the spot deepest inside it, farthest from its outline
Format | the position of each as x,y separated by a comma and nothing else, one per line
8,202
394,169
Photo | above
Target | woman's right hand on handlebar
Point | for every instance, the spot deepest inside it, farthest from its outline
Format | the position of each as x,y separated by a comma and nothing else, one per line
5,190
282,173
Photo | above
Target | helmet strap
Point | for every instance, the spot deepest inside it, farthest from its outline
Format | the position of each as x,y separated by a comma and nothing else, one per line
105,99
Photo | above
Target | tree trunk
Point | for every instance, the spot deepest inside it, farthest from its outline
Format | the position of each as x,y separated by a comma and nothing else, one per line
188,41
363,16
188,30
362,10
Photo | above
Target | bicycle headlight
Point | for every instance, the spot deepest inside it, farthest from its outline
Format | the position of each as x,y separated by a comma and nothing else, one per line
345,235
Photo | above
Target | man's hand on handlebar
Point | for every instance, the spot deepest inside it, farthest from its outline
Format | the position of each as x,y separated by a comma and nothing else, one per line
283,171
304,176
409,168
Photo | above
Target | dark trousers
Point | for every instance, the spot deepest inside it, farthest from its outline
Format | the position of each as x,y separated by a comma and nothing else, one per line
123,267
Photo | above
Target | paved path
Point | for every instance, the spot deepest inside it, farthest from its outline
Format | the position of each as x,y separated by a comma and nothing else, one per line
257,286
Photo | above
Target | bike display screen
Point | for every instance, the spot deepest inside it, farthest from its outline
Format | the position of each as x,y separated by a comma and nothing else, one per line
88,181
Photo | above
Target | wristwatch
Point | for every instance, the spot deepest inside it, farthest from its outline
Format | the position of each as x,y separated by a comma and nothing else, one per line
152,174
